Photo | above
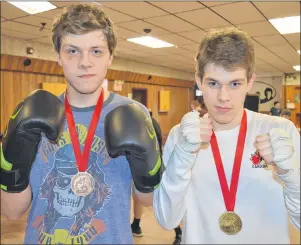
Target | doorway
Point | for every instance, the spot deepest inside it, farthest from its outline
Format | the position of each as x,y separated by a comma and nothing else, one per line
140,95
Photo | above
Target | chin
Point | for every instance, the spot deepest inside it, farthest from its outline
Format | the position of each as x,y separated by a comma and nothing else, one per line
86,89
223,119
85,86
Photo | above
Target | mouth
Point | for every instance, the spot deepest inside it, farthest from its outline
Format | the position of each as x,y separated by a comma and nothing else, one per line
87,76
223,109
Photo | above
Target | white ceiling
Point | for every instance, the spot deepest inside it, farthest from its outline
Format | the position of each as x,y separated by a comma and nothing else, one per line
181,23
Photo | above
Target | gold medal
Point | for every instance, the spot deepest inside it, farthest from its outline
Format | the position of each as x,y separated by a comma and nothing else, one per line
82,184
230,223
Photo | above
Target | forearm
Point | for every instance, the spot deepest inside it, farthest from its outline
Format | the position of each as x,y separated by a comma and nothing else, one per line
14,205
291,191
169,197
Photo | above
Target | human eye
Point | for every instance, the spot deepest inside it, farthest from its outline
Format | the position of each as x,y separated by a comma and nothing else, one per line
97,52
72,51
235,84
213,84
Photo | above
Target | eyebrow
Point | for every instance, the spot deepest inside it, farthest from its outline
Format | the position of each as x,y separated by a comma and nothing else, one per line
215,80
73,46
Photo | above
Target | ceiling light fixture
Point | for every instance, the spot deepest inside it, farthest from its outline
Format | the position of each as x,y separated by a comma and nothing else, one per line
33,7
97,3
287,25
298,52
150,42
297,68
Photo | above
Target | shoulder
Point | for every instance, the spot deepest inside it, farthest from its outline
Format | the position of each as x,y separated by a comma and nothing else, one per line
116,100
268,121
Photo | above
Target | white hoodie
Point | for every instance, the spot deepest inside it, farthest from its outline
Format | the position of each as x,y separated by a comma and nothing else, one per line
190,189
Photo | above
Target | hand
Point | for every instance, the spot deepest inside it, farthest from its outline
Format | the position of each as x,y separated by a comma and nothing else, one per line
276,147
39,113
129,132
195,131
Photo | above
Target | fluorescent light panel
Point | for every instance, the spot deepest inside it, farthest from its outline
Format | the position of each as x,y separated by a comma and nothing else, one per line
297,68
150,42
97,3
299,51
33,7
287,25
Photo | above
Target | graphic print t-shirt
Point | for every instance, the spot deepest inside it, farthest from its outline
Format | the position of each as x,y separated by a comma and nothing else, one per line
58,216
275,111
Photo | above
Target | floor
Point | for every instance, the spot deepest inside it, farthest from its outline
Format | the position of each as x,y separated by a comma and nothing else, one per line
12,232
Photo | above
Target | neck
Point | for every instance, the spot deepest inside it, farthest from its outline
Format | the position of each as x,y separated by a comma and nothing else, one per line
80,100
226,126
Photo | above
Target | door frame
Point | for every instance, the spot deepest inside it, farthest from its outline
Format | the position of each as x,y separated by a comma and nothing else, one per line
141,89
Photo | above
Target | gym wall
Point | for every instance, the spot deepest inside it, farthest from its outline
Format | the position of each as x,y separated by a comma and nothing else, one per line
17,81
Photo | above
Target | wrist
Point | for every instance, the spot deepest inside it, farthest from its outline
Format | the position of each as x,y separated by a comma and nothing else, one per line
280,171
188,147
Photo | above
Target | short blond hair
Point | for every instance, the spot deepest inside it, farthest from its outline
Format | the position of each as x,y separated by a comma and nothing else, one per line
230,48
82,19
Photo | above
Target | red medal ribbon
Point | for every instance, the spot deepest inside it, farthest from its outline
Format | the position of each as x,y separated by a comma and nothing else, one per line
82,160
230,195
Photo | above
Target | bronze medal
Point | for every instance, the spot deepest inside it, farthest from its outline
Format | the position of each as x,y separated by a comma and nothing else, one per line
230,223
82,184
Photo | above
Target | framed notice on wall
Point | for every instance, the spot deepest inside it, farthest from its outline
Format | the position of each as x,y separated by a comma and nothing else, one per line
118,85
290,105
164,101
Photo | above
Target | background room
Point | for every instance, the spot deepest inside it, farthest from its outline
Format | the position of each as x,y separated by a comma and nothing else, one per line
161,78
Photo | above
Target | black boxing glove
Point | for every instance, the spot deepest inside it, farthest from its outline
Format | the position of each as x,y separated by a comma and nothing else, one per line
129,131
41,112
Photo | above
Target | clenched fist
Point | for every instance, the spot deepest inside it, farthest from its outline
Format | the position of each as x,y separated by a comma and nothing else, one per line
195,131
276,147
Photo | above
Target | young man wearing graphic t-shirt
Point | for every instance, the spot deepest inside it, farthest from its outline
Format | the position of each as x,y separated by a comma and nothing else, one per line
76,174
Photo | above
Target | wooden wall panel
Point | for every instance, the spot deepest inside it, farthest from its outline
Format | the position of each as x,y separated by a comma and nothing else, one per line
15,63
15,86
180,102
18,81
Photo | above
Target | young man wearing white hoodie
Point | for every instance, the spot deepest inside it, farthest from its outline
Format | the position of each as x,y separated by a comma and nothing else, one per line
232,176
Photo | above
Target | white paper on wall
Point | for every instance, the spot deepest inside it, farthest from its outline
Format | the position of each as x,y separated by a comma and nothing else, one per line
105,84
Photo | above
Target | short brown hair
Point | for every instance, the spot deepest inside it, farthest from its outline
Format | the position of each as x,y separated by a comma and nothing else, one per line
230,48
81,19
